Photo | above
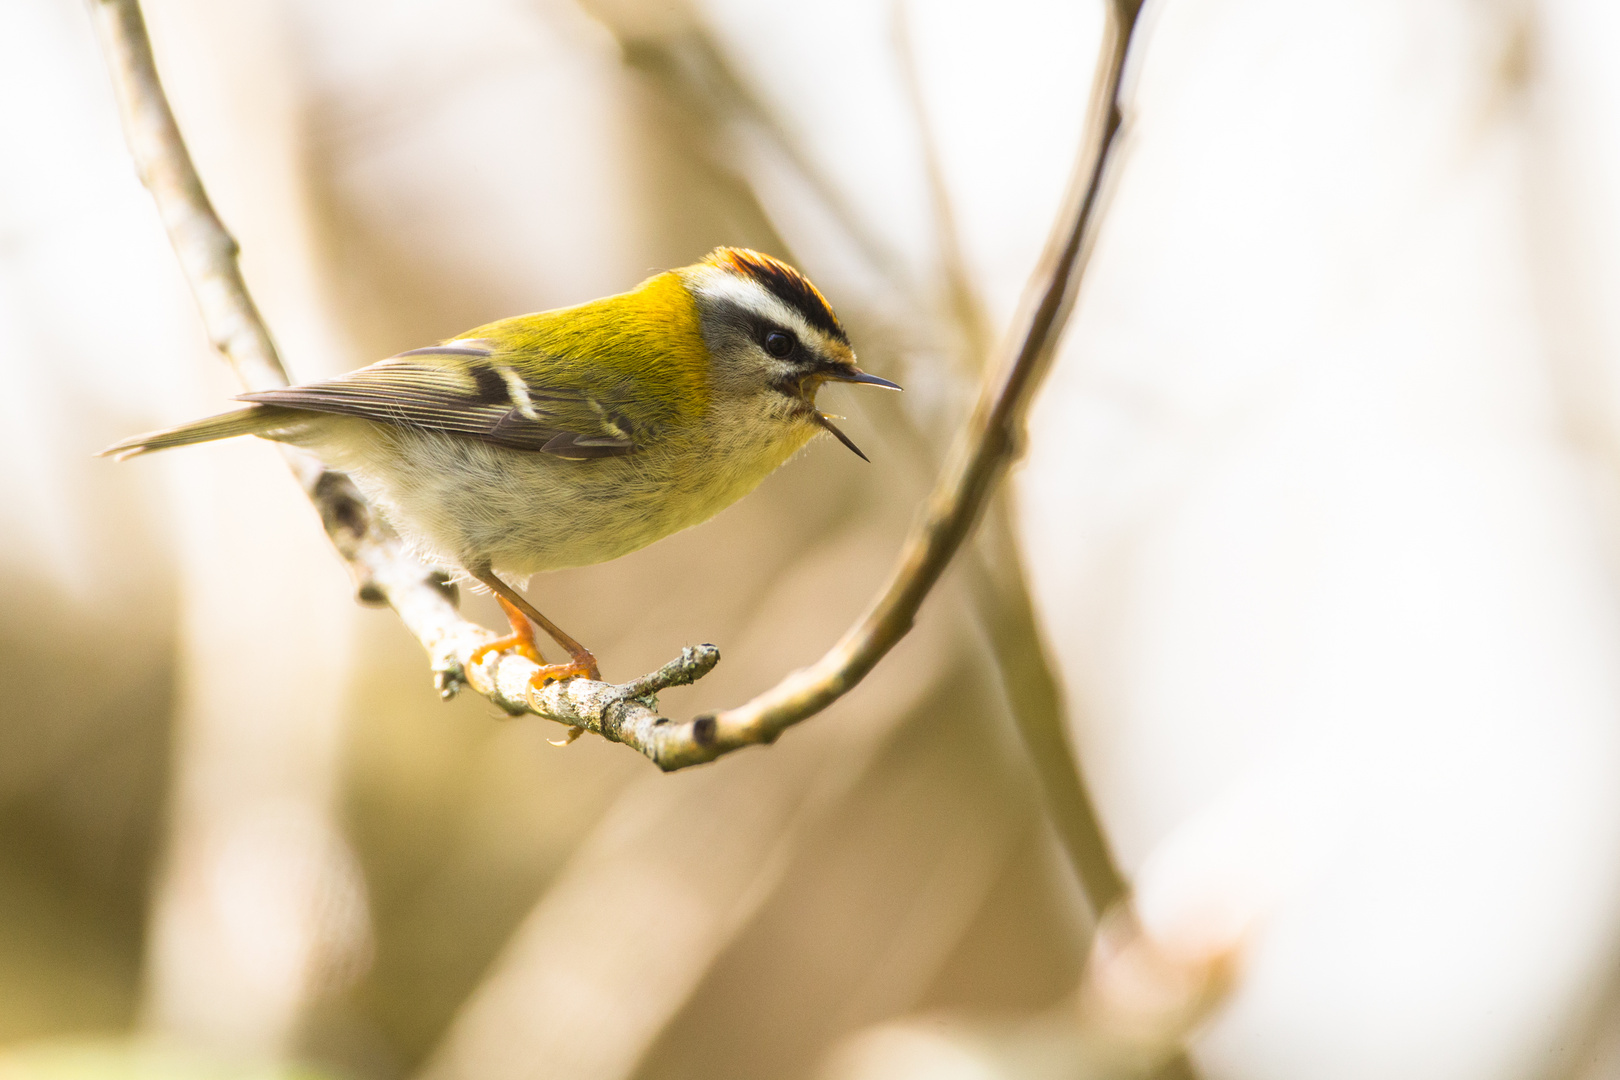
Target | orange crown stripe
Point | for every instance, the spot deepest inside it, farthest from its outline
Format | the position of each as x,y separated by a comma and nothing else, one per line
783,282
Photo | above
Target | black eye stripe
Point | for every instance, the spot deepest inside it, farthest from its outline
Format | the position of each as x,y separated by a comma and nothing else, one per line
786,284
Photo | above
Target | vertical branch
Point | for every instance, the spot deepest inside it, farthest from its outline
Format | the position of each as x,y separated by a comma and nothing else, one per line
1002,601
976,464
1035,700
998,586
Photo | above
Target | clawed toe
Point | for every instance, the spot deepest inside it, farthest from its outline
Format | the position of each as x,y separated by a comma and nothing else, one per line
521,644
583,667
519,613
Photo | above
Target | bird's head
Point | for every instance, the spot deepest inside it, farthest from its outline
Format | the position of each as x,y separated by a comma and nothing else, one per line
772,337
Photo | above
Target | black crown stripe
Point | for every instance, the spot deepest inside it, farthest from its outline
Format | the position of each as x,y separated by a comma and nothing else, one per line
788,286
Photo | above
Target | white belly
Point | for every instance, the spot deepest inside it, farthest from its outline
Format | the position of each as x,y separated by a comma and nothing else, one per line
470,503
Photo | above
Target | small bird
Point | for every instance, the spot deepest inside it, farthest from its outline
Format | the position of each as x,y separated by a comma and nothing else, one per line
571,437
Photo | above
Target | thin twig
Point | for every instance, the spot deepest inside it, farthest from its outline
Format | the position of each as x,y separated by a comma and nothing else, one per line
1001,599
998,585
977,461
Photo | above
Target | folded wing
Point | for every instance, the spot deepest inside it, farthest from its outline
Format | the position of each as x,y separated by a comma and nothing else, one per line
464,389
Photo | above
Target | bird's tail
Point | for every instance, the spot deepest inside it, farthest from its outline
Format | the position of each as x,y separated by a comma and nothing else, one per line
255,420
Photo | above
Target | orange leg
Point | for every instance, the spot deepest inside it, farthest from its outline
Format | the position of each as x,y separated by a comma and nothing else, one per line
580,661
520,640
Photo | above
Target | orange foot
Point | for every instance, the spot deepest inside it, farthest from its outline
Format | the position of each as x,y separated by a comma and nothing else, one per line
516,643
580,666
520,640
519,613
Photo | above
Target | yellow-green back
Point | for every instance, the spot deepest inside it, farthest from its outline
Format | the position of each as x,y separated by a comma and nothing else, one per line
643,348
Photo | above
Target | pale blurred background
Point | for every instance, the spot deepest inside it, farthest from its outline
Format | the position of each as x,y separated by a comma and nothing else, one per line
1319,515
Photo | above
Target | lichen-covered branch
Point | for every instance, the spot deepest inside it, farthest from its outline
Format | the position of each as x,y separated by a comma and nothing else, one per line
384,572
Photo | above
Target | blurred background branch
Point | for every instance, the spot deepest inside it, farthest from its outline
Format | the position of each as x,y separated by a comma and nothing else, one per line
996,565
1139,998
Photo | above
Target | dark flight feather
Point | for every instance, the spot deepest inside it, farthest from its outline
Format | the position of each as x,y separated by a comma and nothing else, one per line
476,400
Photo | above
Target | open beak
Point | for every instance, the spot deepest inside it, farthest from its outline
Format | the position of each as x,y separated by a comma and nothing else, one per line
826,421
850,375
856,375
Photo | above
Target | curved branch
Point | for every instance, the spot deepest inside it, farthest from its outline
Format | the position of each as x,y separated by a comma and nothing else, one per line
977,461
385,573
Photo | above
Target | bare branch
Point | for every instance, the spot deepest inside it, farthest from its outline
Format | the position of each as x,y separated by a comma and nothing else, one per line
978,460
384,572
689,67
995,566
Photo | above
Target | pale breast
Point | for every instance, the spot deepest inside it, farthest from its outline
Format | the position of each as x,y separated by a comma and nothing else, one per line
467,503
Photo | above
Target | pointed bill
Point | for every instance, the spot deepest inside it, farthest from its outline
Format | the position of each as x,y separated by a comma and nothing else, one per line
826,421
859,376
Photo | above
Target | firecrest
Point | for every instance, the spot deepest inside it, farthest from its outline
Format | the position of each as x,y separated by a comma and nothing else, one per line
574,436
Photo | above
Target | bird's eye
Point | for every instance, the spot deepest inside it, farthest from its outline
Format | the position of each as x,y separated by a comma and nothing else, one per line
780,343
